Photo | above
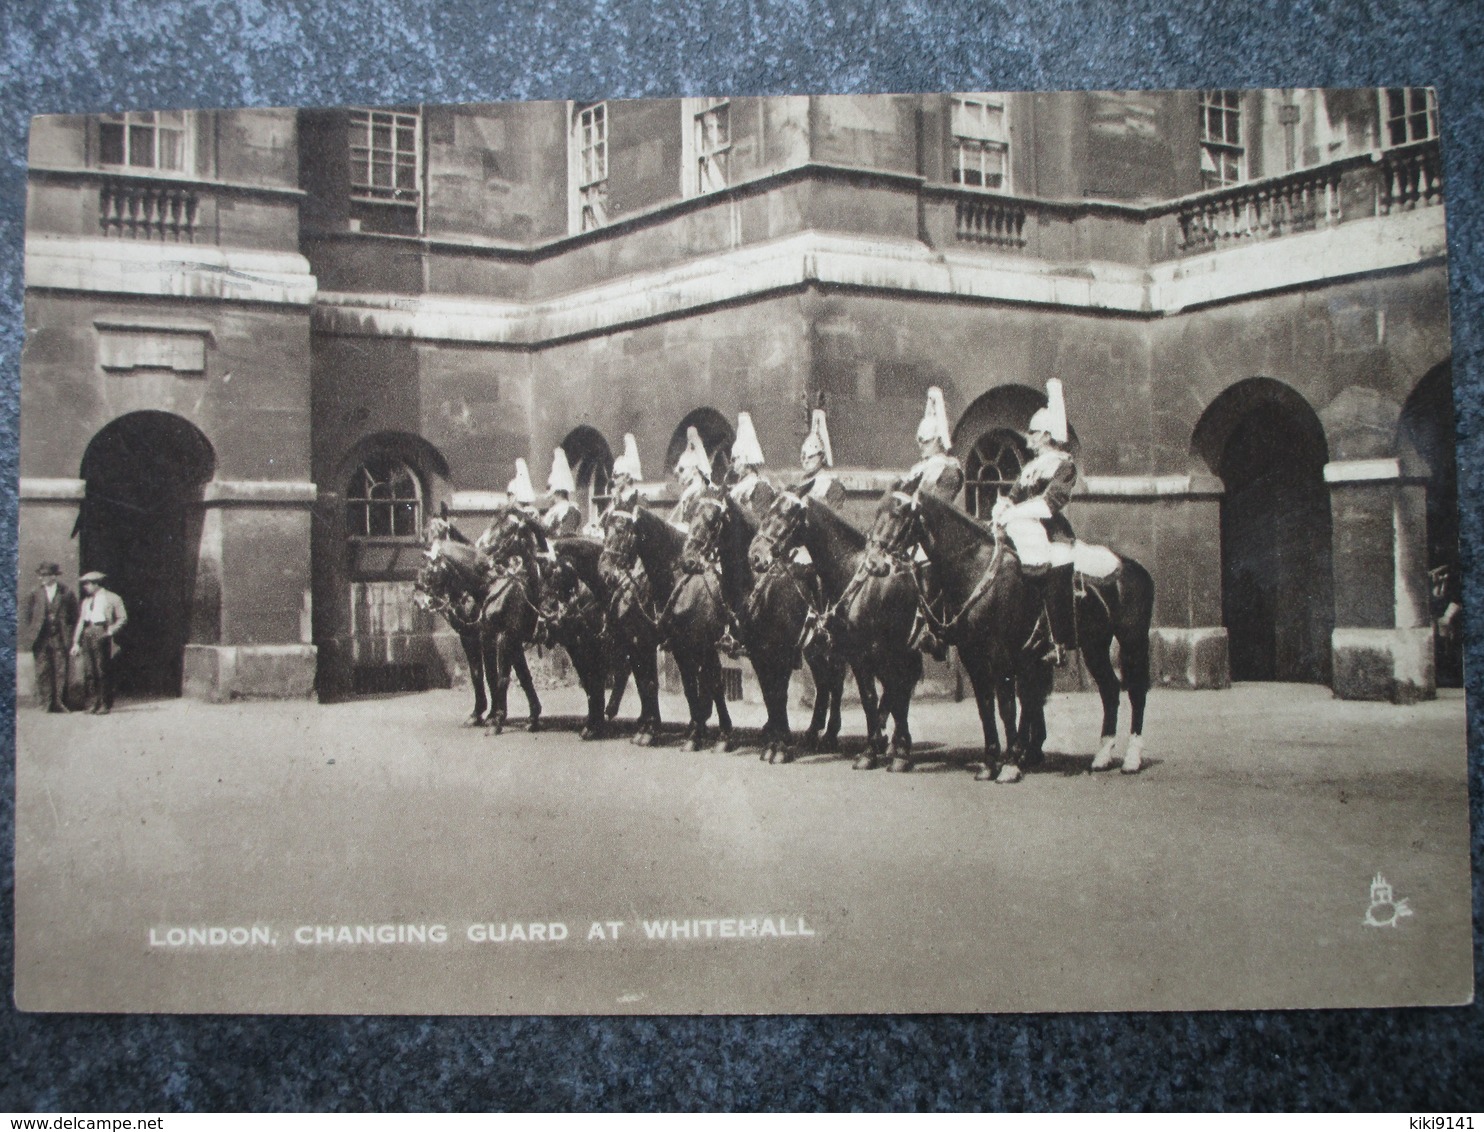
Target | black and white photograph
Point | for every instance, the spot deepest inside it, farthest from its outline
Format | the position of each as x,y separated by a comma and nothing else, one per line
989,551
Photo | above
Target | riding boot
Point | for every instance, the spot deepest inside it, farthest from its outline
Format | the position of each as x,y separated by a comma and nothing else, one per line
1060,613
923,636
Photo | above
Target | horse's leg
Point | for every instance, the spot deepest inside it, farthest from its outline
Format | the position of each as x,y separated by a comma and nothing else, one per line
865,683
773,677
1100,665
1003,696
1134,660
619,664
647,680
591,664
836,677
527,685
904,682
819,718
474,654
989,693
697,696
725,741
497,661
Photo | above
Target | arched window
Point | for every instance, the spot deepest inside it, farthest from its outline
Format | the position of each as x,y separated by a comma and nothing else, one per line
716,434
992,467
384,500
592,467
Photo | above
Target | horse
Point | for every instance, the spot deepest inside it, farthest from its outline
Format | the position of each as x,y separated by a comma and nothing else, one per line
700,607
572,600
779,612
870,618
630,618
454,582
979,573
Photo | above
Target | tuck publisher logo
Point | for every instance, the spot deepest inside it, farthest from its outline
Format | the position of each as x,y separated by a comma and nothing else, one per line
1385,909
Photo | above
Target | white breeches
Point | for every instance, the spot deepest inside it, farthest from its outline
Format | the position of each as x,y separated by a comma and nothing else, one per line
1032,545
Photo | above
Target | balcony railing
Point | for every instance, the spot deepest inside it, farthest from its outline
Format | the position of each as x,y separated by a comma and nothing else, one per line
1262,210
1411,177
148,210
1000,224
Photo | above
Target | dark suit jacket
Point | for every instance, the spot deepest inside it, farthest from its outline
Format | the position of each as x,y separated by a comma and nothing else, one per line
63,610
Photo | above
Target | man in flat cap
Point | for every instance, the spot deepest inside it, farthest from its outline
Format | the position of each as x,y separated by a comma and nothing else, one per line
99,621
51,613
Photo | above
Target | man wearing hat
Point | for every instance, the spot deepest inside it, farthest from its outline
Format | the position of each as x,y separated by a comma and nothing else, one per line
99,620
563,517
816,458
626,476
51,614
937,472
750,488
1031,517
694,472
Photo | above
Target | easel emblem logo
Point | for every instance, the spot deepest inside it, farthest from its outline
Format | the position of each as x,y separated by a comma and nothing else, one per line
1385,909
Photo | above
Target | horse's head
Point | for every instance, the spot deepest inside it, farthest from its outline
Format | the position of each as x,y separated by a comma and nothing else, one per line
707,525
506,535
620,542
781,530
897,527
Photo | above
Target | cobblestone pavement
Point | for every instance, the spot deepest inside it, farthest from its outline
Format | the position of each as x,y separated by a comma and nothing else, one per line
1236,870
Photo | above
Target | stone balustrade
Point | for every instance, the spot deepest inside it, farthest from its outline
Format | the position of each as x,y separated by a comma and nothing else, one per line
148,210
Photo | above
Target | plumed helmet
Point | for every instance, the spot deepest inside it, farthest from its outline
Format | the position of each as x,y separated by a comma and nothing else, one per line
694,457
817,443
1053,418
628,463
561,473
520,489
934,424
746,447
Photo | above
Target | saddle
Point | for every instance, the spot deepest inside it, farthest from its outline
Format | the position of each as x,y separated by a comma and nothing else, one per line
1095,563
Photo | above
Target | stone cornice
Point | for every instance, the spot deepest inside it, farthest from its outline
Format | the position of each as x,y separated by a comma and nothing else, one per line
902,266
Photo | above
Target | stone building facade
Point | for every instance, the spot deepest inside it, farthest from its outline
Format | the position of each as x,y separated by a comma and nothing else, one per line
264,346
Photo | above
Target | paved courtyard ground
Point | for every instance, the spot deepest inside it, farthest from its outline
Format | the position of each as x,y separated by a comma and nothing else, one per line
373,856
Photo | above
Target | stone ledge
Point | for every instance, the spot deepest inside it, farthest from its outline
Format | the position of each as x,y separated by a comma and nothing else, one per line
35,490
221,673
1384,664
1189,658
263,493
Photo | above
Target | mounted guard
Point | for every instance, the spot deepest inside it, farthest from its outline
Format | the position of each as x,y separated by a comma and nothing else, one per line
940,473
563,517
627,474
750,488
816,458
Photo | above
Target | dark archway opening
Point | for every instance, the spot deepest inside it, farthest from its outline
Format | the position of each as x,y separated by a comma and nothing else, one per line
716,434
140,524
591,461
1267,446
1428,447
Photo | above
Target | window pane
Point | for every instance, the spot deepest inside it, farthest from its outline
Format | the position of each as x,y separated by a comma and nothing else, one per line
111,143
1398,132
172,151
141,145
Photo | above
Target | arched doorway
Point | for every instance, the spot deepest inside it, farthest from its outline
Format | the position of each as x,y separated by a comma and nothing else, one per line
716,435
591,461
1427,447
140,523
1267,446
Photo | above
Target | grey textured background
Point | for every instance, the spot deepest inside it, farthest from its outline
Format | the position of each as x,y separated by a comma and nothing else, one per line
69,56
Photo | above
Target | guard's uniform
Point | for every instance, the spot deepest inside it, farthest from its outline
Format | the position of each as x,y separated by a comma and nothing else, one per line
754,494
941,474
827,489
1042,490
685,510
562,518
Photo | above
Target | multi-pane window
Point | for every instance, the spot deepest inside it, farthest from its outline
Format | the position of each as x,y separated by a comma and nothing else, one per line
1223,152
713,141
981,141
590,143
152,139
991,470
385,156
1410,115
384,500
594,475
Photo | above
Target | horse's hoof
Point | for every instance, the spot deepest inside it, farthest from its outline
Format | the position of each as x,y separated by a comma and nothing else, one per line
591,731
785,755
828,745
535,725
474,720
695,743
986,773
725,744
1033,759
643,739
900,765
1133,760
865,762
810,741
1009,774
1103,760
766,754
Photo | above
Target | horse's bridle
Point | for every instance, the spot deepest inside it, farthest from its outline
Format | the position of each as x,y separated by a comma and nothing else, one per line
621,556
918,537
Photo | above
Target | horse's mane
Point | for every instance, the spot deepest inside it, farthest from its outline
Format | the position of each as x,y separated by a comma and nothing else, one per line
583,553
653,527
955,530
834,524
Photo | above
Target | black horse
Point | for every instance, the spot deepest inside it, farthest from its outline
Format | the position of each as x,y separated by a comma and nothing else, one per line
980,576
456,582
870,617
631,537
573,598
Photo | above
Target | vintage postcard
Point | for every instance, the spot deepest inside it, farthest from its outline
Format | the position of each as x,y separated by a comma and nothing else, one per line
981,551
